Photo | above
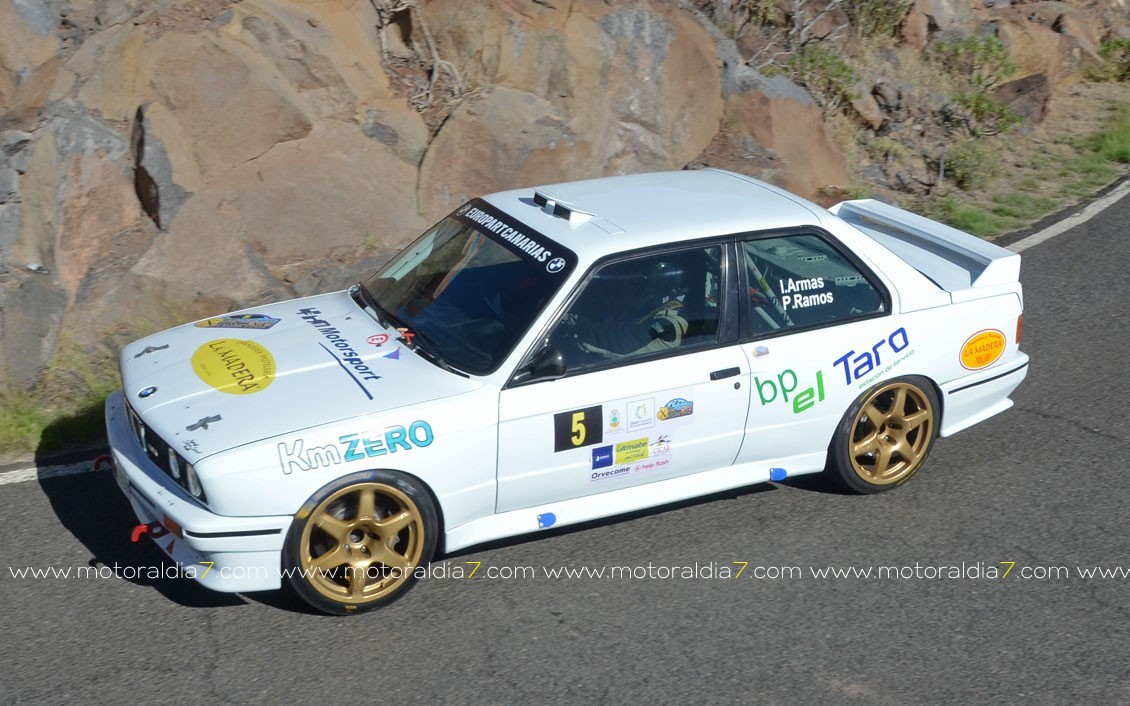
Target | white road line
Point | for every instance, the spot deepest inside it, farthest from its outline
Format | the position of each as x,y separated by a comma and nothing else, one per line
1093,209
21,475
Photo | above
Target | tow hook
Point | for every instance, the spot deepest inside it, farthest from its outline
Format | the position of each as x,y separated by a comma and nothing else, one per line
103,459
153,529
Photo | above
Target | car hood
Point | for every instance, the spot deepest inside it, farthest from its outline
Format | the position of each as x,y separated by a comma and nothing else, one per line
218,383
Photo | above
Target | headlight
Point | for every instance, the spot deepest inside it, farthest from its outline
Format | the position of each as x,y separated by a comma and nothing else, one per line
194,486
174,465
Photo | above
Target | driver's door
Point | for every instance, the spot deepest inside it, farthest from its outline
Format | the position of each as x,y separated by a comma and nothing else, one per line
629,411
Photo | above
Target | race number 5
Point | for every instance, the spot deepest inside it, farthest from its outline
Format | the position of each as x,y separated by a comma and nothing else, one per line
578,428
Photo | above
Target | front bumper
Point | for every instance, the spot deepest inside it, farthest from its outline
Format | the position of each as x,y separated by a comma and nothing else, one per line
230,554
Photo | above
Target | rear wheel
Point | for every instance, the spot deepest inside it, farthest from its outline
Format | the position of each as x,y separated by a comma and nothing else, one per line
885,436
356,544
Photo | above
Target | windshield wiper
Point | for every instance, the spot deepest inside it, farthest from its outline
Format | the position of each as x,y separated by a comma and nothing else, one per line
366,300
430,355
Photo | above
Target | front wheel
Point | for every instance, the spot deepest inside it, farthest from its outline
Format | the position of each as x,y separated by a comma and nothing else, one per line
356,544
885,436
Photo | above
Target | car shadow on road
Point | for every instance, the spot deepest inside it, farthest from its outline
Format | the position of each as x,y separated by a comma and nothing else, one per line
92,508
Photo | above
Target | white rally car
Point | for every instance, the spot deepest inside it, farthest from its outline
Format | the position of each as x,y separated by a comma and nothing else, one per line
542,357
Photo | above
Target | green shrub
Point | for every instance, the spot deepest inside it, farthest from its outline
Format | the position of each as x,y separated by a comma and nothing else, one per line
971,165
981,115
828,77
984,61
1116,61
1113,142
888,148
876,18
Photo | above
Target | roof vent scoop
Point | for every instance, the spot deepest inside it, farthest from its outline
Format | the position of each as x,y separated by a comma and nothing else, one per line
559,209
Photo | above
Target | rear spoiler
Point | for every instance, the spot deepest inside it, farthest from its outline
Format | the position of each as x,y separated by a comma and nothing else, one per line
953,259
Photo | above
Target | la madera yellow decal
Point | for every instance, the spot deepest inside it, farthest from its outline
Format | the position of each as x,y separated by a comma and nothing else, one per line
234,365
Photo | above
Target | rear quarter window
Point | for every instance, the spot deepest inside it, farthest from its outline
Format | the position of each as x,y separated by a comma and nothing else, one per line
802,281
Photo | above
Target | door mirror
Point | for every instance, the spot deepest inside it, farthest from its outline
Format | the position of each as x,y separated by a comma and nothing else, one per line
548,364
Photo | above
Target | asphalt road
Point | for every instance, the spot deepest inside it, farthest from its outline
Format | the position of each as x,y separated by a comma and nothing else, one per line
1042,486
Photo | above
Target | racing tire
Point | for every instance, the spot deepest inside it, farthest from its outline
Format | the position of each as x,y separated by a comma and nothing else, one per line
885,436
357,543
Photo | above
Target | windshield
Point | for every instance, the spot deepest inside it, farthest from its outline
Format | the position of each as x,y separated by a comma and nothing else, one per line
471,286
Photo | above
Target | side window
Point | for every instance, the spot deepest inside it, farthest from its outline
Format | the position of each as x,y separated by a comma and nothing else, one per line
641,306
801,281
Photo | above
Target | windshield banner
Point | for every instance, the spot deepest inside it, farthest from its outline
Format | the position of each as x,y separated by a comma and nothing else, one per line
515,235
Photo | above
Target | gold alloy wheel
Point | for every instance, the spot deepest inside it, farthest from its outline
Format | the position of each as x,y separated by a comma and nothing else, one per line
362,543
891,434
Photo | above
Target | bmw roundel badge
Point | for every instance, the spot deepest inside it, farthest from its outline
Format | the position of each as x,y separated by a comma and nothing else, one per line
147,392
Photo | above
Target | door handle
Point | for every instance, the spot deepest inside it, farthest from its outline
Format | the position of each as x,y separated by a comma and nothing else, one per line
725,373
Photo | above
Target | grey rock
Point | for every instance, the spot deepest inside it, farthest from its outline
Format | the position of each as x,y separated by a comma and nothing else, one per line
30,319
9,229
16,149
77,132
888,97
9,185
160,196
36,14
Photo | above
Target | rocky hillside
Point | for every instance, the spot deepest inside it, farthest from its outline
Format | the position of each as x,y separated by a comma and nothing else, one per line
163,160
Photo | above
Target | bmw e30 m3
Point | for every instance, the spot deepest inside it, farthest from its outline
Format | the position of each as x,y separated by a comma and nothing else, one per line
546,356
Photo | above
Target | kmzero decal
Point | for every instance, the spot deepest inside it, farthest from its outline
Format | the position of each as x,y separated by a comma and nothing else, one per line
257,321
857,365
354,447
786,383
341,350
982,349
234,365
578,428
510,234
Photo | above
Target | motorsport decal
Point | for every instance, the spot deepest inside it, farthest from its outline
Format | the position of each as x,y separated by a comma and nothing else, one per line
354,447
678,407
578,428
795,294
341,350
255,321
863,363
982,349
234,365
786,383
377,339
